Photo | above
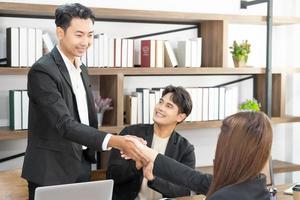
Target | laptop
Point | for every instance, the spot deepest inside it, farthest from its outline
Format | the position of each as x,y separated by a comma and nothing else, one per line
95,190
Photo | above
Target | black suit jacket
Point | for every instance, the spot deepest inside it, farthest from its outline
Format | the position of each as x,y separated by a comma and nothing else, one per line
253,189
128,180
55,134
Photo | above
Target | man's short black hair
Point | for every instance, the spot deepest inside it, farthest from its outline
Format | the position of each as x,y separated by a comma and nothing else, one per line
180,97
65,13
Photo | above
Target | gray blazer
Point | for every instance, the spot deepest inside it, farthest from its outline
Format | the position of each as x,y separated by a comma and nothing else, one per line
55,134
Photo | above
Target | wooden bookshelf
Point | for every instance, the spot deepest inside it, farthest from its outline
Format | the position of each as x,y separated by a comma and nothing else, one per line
47,11
213,28
278,167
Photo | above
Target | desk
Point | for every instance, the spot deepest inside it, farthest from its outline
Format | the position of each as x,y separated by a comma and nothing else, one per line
280,194
13,187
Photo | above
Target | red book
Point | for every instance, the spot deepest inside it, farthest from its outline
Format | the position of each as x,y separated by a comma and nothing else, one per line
145,53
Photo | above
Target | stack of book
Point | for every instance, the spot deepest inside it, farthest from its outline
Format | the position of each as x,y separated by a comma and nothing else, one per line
24,46
18,109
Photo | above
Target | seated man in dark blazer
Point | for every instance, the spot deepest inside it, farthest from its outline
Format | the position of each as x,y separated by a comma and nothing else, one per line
174,106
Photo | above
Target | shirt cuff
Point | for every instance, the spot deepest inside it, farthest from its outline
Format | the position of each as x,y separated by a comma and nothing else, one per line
105,142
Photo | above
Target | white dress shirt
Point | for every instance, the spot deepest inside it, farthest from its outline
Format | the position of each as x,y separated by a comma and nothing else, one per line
80,93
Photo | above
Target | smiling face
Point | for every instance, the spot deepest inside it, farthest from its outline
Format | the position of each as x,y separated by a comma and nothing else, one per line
166,112
75,40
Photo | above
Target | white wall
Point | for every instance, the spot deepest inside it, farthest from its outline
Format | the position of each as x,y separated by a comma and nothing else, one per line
286,40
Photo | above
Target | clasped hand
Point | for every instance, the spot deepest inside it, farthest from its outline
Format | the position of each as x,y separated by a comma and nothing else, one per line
143,155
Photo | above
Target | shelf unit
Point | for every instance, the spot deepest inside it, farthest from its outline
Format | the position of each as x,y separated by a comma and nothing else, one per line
214,58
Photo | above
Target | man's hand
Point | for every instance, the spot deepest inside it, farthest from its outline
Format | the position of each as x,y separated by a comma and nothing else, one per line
139,165
147,152
129,146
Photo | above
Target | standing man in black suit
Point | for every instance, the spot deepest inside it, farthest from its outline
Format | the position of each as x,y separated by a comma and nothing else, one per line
129,183
63,130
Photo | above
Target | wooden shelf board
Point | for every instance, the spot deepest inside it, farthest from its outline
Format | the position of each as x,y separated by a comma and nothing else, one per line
111,129
140,71
14,70
7,134
278,167
283,166
218,123
286,119
145,71
47,11
200,124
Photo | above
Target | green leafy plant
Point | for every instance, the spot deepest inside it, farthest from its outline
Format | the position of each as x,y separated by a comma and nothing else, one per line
250,105
240,51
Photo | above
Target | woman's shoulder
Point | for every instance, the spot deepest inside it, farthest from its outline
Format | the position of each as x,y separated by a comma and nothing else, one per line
254,189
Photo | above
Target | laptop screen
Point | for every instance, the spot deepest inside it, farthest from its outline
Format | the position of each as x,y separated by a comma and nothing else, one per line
77,191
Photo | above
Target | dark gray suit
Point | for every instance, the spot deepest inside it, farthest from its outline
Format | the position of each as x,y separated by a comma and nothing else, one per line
169,169
128,179
55,135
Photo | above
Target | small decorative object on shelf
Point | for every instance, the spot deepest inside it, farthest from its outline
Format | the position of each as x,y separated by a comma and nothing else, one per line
250,105
240,53
102,105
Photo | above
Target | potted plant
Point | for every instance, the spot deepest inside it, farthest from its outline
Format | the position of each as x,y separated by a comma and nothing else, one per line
240,53
250,105
102,105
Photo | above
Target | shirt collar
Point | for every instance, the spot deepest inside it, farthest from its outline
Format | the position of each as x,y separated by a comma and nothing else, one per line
69,64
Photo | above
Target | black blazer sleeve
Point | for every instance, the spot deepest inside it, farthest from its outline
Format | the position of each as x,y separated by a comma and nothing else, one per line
180,174
169,189
44,91
119,169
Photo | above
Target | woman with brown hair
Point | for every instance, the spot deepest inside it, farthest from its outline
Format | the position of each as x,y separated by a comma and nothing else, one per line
243,149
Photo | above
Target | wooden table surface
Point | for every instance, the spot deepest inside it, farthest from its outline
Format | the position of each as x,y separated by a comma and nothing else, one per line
13,187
